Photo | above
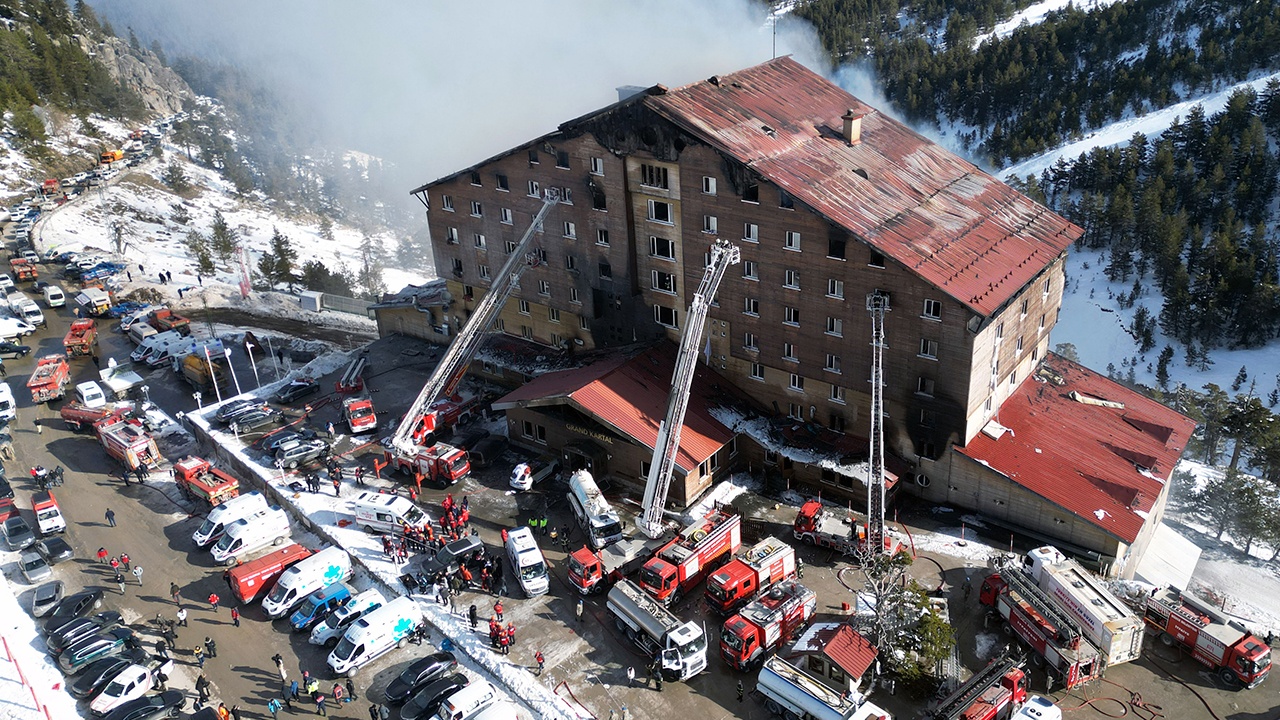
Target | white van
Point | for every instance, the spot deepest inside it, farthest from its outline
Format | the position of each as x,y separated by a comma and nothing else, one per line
331,629
153,343
54,297
239,507
28,310
11,328
329,566
89,394
375,634
380,511
527,560
140,315
140,332
8,410
468,702
249,534
594,513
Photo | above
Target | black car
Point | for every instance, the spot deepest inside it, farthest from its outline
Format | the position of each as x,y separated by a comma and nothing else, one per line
111,643
71,608
54,550
273,442
81,628
14,349
152,707
6,490
19,533
297,390
420,673
99,672
228,412
428,700
451,557
254,419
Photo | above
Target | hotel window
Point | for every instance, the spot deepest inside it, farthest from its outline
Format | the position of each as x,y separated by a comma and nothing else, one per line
476,210
606,271
524,307
557,340
928,418
510,245
478,240
789,352
583,323
475,179
663,282
660,212
708,185
665,316
562,159
661,247
602,237
570,262
654,176
835,326
833,363
785,200
1017,350
1024,308
836,248
928,349
797,382
757,371
932,310
599,201
1042,321
791,316
553,315
751,306
533,157
795,410
876,260
751,193
1000,331
749,341
792,241
750,271
534,432
446,203
835,288
544,287
924,386
504,215
1045,291
710,225
504,185
573,296
483,271
837,394
751,232
500,325
457,268
534,189
570,230
791,280
597,166
451,236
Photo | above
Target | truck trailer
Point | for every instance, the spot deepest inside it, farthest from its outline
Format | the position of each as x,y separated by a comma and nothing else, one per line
1109,624
791,692
752,572
680,648
1238,657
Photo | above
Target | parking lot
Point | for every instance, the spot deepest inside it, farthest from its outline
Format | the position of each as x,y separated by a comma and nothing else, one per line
585,663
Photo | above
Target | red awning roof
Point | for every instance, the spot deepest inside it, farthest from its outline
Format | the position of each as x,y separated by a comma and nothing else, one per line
938,215
850,651
629,395
1103,463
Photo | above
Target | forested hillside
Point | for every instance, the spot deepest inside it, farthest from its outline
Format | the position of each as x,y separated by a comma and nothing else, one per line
1047,83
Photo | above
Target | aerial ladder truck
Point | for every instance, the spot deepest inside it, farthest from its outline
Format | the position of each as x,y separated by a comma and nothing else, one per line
413,448
674,566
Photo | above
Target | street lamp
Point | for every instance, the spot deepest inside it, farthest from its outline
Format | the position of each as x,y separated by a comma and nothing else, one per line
197,395
248,348
227,352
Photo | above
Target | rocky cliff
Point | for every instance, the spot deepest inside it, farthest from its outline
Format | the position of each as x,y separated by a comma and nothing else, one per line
140,70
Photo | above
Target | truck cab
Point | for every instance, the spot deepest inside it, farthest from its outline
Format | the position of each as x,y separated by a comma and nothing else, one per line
49,518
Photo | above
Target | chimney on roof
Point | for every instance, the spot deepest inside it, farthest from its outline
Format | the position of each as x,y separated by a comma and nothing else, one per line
853,126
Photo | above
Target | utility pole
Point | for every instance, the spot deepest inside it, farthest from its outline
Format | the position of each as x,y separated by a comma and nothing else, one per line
877,307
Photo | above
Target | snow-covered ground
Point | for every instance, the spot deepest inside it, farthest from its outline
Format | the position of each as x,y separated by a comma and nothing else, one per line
1035,14
27,674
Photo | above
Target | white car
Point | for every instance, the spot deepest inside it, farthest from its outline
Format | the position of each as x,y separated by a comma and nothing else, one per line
131,683
90,394
525,475
13,328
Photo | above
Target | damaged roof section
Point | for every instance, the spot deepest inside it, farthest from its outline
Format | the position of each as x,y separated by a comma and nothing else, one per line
1106,462
429,294
629,396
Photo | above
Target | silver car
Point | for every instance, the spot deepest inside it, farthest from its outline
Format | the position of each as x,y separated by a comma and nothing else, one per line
34,567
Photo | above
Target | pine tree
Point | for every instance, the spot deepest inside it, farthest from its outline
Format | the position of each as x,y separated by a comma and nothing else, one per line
1216,501
222,238
278,265
1162,366
369,278
176,178
1241,377
326,227
198,244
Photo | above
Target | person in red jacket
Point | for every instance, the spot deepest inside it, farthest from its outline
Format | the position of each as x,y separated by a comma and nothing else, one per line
213,601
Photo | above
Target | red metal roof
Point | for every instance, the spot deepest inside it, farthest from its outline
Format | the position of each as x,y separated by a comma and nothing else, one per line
850,651
629,395
1104,463
967,233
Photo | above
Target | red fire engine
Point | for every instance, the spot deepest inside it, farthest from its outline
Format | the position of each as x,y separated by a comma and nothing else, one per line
689,556
753,571
766,623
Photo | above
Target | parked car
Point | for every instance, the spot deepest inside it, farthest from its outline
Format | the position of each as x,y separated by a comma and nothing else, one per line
99,672
449,558
46,598
294,454
6,490
19,533
34,567
274,442
427,700
54,550
130,684
526,475
165,705
420,673
228,412
297,390
255,418
81,628
109,644
71,608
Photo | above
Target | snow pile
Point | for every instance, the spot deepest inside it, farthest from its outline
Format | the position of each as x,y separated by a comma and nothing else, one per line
760,430
26,661
955,542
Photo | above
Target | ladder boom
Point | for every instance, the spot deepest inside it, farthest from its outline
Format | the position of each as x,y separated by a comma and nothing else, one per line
723,254
458,355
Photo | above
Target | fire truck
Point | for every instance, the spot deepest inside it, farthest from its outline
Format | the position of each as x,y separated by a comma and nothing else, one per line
202,482
163,319
81,338
1053,636
359,414
766,623
1108,623
817,525
994,693
682,563
1237,656
752,572
75,416
23,270
127,441
49,380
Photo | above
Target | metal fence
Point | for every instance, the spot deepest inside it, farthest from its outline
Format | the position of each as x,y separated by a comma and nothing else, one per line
338,303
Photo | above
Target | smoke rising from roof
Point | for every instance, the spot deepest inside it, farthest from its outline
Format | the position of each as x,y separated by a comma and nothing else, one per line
432,87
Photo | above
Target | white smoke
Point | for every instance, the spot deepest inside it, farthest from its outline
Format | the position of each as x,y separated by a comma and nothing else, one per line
435,86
